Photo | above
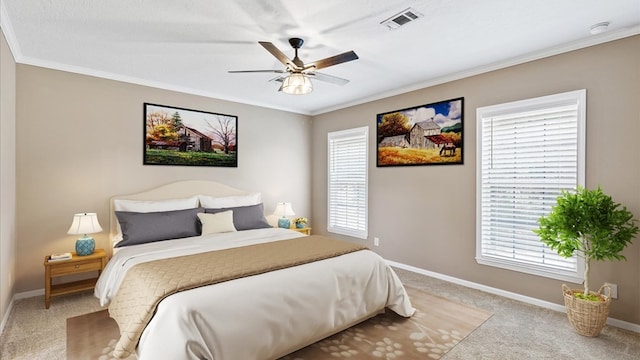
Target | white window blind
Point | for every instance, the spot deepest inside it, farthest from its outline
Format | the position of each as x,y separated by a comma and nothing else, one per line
347,193
528,151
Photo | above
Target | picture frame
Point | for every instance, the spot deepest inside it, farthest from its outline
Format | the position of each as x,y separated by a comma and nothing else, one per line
429,134
185,137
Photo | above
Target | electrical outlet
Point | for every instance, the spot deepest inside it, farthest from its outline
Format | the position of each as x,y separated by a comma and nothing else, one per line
376,241
614,290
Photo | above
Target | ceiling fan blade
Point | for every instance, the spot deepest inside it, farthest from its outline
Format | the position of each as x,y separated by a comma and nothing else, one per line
256,71
279,79
327,78
278,54
333,60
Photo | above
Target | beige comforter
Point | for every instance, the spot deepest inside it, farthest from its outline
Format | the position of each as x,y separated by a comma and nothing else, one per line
146,284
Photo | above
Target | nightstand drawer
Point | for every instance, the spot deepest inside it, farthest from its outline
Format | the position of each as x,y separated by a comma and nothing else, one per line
75,267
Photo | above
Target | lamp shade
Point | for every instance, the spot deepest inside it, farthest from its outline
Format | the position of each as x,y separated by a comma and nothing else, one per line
284,209
84,223
297,84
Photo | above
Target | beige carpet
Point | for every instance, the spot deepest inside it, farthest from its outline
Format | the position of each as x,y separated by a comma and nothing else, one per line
437,326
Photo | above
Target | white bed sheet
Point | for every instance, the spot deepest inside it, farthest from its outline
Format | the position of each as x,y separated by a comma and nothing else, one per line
258,317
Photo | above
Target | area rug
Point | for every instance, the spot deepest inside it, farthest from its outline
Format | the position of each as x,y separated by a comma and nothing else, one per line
437,326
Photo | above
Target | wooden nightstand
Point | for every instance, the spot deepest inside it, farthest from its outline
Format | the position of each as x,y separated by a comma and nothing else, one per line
304,230
76,265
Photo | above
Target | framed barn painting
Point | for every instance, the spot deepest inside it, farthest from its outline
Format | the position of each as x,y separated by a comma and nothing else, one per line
429,134
177,136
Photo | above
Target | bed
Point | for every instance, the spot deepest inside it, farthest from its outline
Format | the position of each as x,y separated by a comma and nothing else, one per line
264,314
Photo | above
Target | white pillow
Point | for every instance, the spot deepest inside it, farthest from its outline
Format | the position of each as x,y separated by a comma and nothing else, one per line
211,202
145,206
217,223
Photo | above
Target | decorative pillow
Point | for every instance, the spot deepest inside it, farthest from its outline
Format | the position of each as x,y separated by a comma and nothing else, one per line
229,201
144,206
217,223
246,217
139,227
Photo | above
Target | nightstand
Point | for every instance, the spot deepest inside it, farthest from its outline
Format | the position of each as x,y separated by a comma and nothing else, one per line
76,265
304,230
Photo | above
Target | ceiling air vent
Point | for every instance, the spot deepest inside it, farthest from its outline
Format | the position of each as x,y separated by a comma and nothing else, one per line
403,17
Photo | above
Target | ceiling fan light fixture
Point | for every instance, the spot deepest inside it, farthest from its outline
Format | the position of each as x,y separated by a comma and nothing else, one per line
297,84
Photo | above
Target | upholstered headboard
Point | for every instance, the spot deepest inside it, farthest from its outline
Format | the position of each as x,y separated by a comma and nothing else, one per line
176,190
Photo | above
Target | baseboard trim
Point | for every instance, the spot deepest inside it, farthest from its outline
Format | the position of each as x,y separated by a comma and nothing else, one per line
511,295
5,318
28,294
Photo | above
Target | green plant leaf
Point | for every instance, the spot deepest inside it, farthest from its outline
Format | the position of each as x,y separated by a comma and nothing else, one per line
587,223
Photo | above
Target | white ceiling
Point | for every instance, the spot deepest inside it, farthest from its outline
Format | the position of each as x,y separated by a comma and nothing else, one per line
189,46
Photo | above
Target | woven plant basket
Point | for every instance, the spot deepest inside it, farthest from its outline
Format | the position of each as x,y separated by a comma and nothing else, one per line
587,317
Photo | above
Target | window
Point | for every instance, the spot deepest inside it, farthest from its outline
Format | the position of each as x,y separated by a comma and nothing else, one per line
347,199
528,151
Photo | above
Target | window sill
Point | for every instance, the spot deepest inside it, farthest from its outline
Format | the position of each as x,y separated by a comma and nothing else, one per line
571,277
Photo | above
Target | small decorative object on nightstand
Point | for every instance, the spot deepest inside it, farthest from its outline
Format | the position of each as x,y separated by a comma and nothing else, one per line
300,222
83,224
284,210
76,265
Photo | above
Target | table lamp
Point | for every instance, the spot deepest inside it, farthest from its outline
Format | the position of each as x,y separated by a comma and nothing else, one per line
283,210
85,223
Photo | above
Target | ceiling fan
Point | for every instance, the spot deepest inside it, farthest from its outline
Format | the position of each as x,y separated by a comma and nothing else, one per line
297,81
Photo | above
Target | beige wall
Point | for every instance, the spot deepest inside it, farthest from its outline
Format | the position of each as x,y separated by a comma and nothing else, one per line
80,142
7,176
425,216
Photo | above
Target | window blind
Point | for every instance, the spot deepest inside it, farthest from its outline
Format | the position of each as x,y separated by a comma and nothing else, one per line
347,181
528,153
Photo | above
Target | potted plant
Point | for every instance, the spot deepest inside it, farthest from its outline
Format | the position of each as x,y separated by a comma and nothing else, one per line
591,225
300,222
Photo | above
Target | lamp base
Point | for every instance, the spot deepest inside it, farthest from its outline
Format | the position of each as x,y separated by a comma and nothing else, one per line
85,246
284,223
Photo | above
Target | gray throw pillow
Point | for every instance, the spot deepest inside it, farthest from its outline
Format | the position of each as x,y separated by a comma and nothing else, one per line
246,217
139,228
